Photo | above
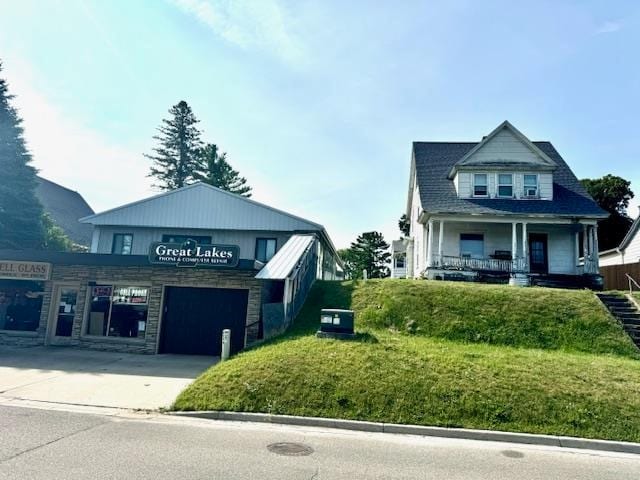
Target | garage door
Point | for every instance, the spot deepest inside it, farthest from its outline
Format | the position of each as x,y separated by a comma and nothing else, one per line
195,317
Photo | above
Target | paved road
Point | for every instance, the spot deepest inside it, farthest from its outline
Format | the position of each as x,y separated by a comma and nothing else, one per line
36,443
86,377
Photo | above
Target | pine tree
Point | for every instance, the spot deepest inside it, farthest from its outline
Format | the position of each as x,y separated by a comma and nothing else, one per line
216,171
371,253
20,211
177,157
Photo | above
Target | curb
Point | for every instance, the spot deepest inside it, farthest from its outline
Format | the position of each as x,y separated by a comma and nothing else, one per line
458,433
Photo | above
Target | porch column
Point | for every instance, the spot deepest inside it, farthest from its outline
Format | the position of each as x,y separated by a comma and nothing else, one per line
514,244
585,244
596,256
576,254
429,262
440,239
525,246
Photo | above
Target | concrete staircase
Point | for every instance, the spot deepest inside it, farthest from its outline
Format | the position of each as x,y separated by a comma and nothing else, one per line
625,311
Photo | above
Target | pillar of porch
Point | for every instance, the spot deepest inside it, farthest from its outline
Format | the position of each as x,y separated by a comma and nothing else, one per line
429,262
525,247
585,243
596,255
576,254
514,244
440,239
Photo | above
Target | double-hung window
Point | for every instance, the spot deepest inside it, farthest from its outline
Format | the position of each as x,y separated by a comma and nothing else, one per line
265,249
122,243
472,245
505,185
530,185
480,186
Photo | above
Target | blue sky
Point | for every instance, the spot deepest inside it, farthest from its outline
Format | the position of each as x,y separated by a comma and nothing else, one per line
317,103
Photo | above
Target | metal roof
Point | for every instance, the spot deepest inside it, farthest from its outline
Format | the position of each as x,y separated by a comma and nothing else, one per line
287,258
201,206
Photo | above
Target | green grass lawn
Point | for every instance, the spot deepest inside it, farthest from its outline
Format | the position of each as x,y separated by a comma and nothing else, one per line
447,354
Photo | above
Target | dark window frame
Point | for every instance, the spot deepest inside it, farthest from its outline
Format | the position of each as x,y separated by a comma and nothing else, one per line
266,239
113,243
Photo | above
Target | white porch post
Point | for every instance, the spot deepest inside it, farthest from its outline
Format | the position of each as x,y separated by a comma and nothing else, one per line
576,254
514,244
429,262
525,247
596,256
440,239
585,244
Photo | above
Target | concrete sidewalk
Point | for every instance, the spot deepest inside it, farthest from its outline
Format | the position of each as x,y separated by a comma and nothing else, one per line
84,377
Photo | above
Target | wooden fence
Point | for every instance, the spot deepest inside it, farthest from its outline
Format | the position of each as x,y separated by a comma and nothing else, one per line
615,278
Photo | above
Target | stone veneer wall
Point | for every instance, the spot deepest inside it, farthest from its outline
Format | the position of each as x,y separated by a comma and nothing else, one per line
153,277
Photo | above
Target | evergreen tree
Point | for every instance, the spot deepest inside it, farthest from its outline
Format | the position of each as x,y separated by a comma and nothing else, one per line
20,211
369,252
216,171
176,159
404,225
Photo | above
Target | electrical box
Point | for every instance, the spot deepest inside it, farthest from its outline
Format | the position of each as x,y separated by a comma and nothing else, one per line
336,321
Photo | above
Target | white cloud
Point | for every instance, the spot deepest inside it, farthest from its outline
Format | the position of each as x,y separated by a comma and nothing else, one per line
250,25
608,27
70,153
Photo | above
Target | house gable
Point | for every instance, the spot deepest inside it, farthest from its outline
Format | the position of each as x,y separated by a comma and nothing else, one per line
507,147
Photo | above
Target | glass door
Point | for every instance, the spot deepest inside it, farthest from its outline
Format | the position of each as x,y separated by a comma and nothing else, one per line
64,313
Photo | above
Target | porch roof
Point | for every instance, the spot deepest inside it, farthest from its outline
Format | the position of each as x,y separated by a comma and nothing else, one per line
434,161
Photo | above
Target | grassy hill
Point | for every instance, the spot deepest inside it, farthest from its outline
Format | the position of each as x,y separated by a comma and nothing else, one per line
449,354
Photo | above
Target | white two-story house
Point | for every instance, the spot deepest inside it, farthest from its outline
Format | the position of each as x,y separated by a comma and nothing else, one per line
504,209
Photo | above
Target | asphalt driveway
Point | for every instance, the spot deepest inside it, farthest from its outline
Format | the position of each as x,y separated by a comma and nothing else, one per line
103,379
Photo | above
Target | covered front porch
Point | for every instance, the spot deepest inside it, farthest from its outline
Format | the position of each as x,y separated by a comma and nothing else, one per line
519,252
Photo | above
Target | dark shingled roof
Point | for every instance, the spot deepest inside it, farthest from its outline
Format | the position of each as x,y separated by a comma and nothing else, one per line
65,208
434,160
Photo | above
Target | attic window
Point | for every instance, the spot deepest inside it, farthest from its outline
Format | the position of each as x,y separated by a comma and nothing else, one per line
530,185
480,185
505,185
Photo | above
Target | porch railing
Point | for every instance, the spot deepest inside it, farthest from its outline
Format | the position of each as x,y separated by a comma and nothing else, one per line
490,264
588,266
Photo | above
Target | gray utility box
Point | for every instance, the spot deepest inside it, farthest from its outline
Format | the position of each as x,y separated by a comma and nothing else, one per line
336,321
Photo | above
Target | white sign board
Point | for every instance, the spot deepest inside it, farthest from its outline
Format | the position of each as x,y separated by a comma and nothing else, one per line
19,270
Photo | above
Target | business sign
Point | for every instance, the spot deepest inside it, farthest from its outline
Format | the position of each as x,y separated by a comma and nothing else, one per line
190,254
17,270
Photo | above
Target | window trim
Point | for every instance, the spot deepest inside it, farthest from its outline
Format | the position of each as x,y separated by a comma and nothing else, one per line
275,250
525,188
87,311
486,185
476,234
498,185
113,243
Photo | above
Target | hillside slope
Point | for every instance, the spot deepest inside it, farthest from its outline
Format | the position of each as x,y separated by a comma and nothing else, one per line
414,370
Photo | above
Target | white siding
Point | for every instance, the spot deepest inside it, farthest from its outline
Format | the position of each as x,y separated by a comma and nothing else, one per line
611,259
561,246
416,232
505,146
545,184
632,252
143,237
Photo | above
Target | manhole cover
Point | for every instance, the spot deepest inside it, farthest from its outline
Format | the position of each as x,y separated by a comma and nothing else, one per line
290,449
512,454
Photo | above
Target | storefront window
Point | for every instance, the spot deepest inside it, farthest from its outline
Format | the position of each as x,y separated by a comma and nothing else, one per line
20,305
118,311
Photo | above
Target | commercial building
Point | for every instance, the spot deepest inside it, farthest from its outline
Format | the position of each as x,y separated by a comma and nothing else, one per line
166,275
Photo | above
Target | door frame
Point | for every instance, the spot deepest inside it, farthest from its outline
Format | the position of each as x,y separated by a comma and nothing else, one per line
544,238
52,323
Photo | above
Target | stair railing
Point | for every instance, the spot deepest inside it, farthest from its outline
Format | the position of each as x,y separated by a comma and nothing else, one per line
631,283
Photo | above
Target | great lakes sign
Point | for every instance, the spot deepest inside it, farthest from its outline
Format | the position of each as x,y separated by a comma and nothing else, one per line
190,254
17,270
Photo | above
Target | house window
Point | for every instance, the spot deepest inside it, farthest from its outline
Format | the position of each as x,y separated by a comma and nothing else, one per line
265,249
199,239
118,311
505,185
400,261
480,188
531,185
472,245
122,243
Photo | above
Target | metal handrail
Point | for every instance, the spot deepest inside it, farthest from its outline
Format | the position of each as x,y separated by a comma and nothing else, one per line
631,280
